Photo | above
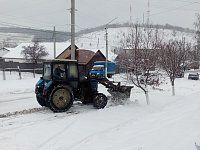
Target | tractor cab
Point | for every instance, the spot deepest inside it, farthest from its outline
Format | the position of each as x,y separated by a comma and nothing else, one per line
61,71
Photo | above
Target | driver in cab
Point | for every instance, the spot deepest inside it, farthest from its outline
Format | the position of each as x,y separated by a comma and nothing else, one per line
58,72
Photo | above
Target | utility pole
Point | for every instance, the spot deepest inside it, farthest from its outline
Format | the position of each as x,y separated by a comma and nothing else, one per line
148,13
73,29
143,19
106,64
54,39
4,73
130,14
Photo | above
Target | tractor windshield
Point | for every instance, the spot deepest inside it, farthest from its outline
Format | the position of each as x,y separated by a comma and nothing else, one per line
47,72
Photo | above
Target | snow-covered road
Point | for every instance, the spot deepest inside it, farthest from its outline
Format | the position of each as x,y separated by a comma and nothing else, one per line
17,94
168,123
173,127
17,102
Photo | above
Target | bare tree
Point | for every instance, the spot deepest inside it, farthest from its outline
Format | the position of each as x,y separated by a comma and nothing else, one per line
172,56
196,52
34,53
140,56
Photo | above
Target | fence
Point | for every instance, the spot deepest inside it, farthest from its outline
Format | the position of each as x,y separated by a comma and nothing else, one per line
19,70
20,65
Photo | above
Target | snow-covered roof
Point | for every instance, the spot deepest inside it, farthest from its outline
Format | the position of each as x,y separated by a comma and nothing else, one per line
60,47
4,51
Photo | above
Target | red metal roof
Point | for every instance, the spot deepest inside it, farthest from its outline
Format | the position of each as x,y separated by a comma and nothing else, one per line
84,56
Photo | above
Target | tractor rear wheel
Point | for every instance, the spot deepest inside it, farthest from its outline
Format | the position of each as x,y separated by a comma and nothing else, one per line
61,99
41,101
100,101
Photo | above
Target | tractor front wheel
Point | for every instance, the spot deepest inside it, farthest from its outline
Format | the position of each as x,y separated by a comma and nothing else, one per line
100,101
61,99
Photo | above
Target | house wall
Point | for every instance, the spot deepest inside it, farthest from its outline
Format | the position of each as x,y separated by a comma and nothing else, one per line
64,54
82,71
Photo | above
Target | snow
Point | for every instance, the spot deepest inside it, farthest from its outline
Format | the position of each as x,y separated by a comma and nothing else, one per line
96,41
49,46
17,94
168,123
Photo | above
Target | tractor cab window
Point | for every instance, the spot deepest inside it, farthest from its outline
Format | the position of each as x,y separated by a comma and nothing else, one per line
72,71
47,72
59,72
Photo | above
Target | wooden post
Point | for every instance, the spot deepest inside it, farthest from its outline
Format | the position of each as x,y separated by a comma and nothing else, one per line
4,73
34,72
20,76
34,66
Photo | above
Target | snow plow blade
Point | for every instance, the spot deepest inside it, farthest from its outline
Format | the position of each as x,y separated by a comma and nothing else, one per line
117,91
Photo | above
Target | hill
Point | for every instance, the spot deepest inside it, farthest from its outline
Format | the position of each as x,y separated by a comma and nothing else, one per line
95,38
15,35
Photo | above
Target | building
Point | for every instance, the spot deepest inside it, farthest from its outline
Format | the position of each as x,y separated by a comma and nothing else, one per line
85,58
15,58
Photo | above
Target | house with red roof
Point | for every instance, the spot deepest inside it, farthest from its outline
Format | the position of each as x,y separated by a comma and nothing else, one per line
85,58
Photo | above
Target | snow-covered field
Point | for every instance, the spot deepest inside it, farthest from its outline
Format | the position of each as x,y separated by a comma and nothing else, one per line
17,94
16,37
168,123
116,36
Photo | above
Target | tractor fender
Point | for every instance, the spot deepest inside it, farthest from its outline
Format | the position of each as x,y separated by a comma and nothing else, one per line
39,85
47,87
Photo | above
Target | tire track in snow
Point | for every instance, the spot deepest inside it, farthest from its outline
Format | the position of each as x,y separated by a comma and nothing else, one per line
16,99
23,112
40,109
40,146
107,130
33,122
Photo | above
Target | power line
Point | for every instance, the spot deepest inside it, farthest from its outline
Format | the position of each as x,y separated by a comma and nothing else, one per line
173,9
185,1
25,7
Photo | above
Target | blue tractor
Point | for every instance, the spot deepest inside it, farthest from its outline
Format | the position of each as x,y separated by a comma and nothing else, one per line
60,85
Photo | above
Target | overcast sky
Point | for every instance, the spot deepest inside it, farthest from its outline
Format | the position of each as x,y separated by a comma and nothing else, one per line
90,13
